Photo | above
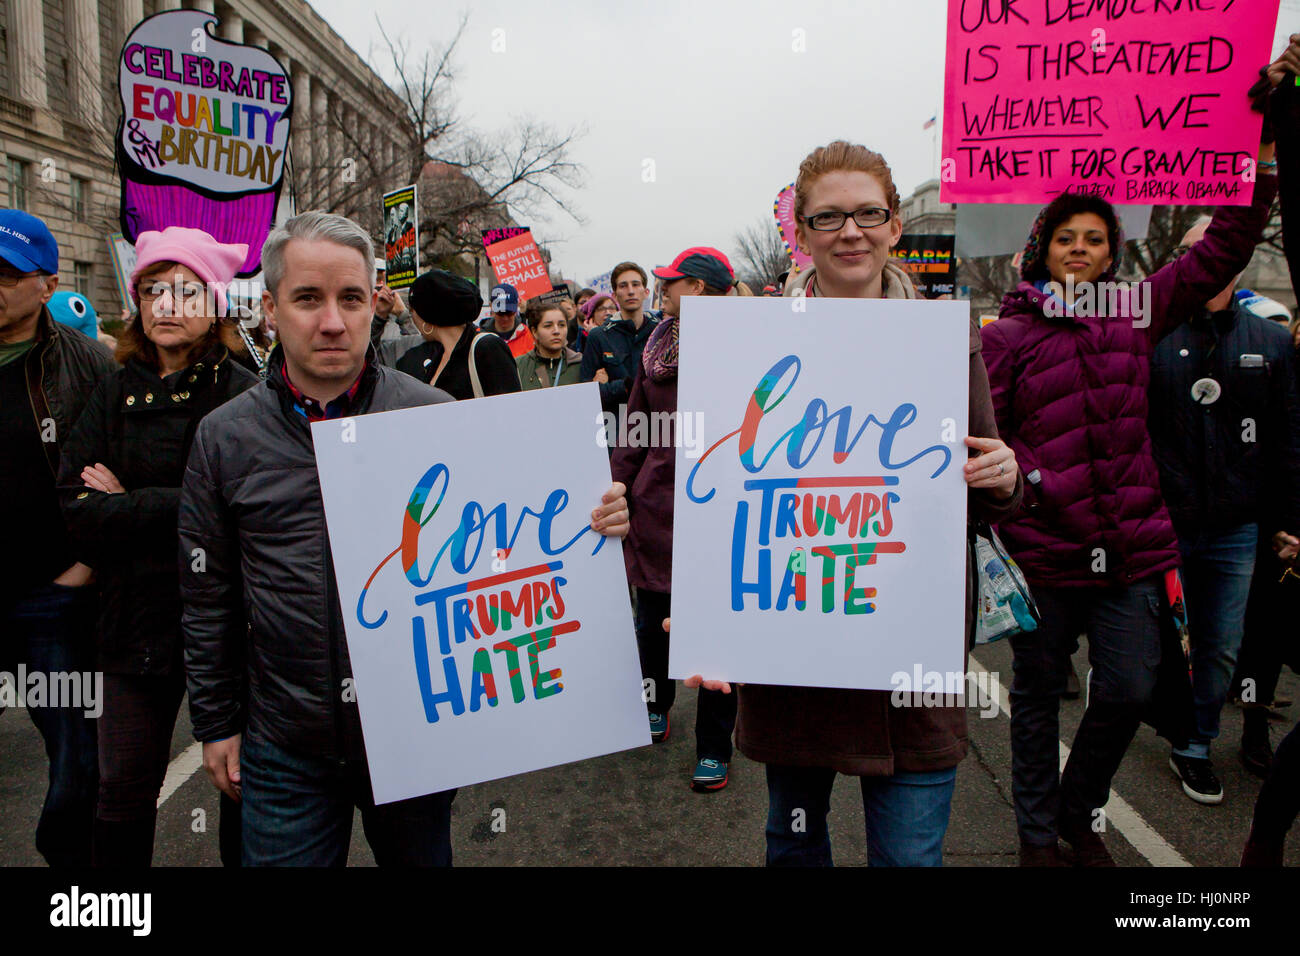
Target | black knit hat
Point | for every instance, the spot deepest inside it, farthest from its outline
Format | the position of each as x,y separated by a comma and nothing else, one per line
443,298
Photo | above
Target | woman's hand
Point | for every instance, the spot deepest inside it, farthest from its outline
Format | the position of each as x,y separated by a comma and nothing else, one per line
696,680
98,476
1286,545
601,376
611,518
1289,61
994,468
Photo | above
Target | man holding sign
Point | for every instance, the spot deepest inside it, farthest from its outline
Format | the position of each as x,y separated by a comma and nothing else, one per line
270,680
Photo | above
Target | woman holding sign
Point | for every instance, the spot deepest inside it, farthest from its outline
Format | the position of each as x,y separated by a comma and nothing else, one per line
846,208
1068,359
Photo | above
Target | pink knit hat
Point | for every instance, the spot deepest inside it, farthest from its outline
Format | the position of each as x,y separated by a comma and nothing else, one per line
589,307
214,262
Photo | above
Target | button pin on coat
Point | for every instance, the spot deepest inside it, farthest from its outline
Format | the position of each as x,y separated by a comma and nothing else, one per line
1206,391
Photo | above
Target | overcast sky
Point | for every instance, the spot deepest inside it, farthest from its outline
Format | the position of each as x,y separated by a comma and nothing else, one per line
712,92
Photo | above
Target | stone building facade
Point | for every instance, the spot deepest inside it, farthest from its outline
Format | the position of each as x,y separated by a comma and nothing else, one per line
59,111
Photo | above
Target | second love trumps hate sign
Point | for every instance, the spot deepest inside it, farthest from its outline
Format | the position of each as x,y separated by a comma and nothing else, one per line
1137,101
819,538
488,626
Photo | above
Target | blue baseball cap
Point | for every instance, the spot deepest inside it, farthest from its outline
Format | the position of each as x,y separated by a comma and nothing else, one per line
26,243
504,298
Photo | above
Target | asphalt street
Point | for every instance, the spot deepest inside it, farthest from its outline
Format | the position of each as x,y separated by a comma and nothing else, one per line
637,808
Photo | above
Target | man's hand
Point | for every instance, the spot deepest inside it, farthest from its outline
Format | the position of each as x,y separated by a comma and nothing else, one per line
696,680
98,476
1286,545
384,301
1288,62
601,376
221,761
611,518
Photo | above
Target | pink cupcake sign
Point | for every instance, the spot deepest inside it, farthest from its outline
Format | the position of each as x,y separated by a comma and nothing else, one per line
204,132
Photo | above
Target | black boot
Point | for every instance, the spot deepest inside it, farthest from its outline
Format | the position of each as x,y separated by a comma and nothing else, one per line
127,845
1256,748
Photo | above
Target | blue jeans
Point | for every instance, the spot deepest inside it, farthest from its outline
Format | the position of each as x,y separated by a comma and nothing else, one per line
1216,583
51,629
297,811
907,816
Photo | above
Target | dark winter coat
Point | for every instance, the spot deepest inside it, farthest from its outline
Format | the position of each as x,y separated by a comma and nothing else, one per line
496,366
616,347
140,427
264,605
648,474
1070,395
1236,460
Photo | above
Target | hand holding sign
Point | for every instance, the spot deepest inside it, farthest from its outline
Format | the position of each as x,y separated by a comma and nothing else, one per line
1288,62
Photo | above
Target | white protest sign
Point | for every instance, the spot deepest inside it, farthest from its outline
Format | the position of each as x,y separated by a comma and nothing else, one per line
489,627
820,539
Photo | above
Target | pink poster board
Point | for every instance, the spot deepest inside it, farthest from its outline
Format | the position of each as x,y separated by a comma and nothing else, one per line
1138,101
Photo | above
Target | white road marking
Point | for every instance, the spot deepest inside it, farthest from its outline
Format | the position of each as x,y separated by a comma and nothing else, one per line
1157,850
186,764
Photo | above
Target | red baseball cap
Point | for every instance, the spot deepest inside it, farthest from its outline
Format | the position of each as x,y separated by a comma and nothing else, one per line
700,262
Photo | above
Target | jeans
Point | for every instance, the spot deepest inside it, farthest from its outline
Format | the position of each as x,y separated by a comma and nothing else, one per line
135,733
1123,628
297,811
907,816
50,629
715,717
1216,582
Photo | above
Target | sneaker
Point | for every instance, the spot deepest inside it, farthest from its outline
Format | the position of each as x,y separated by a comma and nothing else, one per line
710,774
658,728
1197,775
1050,855
1089,849
1256,748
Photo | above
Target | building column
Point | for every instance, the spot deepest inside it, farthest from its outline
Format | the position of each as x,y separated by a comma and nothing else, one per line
28,50
87,99
232,27
164,5
207,6
132,13
320,147
302,131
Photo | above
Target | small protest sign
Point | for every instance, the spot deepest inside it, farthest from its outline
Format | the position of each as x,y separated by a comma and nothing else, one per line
506,232
122,253
1137,101
401,237
783,210
820,538
929,260
518,261
489,628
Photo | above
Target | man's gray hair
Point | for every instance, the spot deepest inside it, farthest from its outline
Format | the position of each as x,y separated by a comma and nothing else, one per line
311,226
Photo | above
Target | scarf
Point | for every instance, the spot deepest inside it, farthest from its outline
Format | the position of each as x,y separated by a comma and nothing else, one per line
660,355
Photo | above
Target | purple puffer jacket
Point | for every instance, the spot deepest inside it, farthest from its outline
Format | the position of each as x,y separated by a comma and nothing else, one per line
1070,397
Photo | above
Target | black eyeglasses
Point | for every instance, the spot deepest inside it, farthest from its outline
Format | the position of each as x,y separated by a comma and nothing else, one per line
10,279
834,221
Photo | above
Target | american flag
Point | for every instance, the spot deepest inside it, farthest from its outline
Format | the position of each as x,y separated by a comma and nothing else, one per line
930,122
